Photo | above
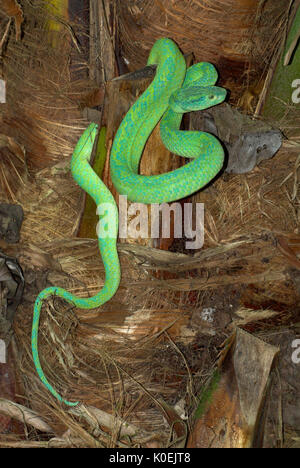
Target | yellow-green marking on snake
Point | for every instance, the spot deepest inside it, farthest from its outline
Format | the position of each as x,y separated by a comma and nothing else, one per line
173,91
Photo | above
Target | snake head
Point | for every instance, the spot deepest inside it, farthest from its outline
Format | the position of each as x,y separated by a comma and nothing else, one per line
196,98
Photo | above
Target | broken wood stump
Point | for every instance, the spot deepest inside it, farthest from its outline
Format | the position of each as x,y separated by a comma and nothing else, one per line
231,412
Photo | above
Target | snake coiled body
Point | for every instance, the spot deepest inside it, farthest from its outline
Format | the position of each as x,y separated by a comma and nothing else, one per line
184,91
173,91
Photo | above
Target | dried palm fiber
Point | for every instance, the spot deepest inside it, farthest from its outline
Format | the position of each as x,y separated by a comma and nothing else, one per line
238,36
43,91
98,359
260,208
265,199
123,357
41,122
241,248
107,359
114,358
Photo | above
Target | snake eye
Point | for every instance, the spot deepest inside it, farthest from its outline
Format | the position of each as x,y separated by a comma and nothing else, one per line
211,96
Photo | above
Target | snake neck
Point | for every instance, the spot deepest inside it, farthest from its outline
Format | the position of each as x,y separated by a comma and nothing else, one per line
144,115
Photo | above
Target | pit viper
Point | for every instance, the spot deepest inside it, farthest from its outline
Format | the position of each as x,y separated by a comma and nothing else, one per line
173,91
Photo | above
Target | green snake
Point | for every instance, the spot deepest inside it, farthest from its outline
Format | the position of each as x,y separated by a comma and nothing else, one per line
173,91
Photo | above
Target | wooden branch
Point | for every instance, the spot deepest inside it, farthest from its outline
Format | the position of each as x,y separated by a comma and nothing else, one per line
102,54
24,415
